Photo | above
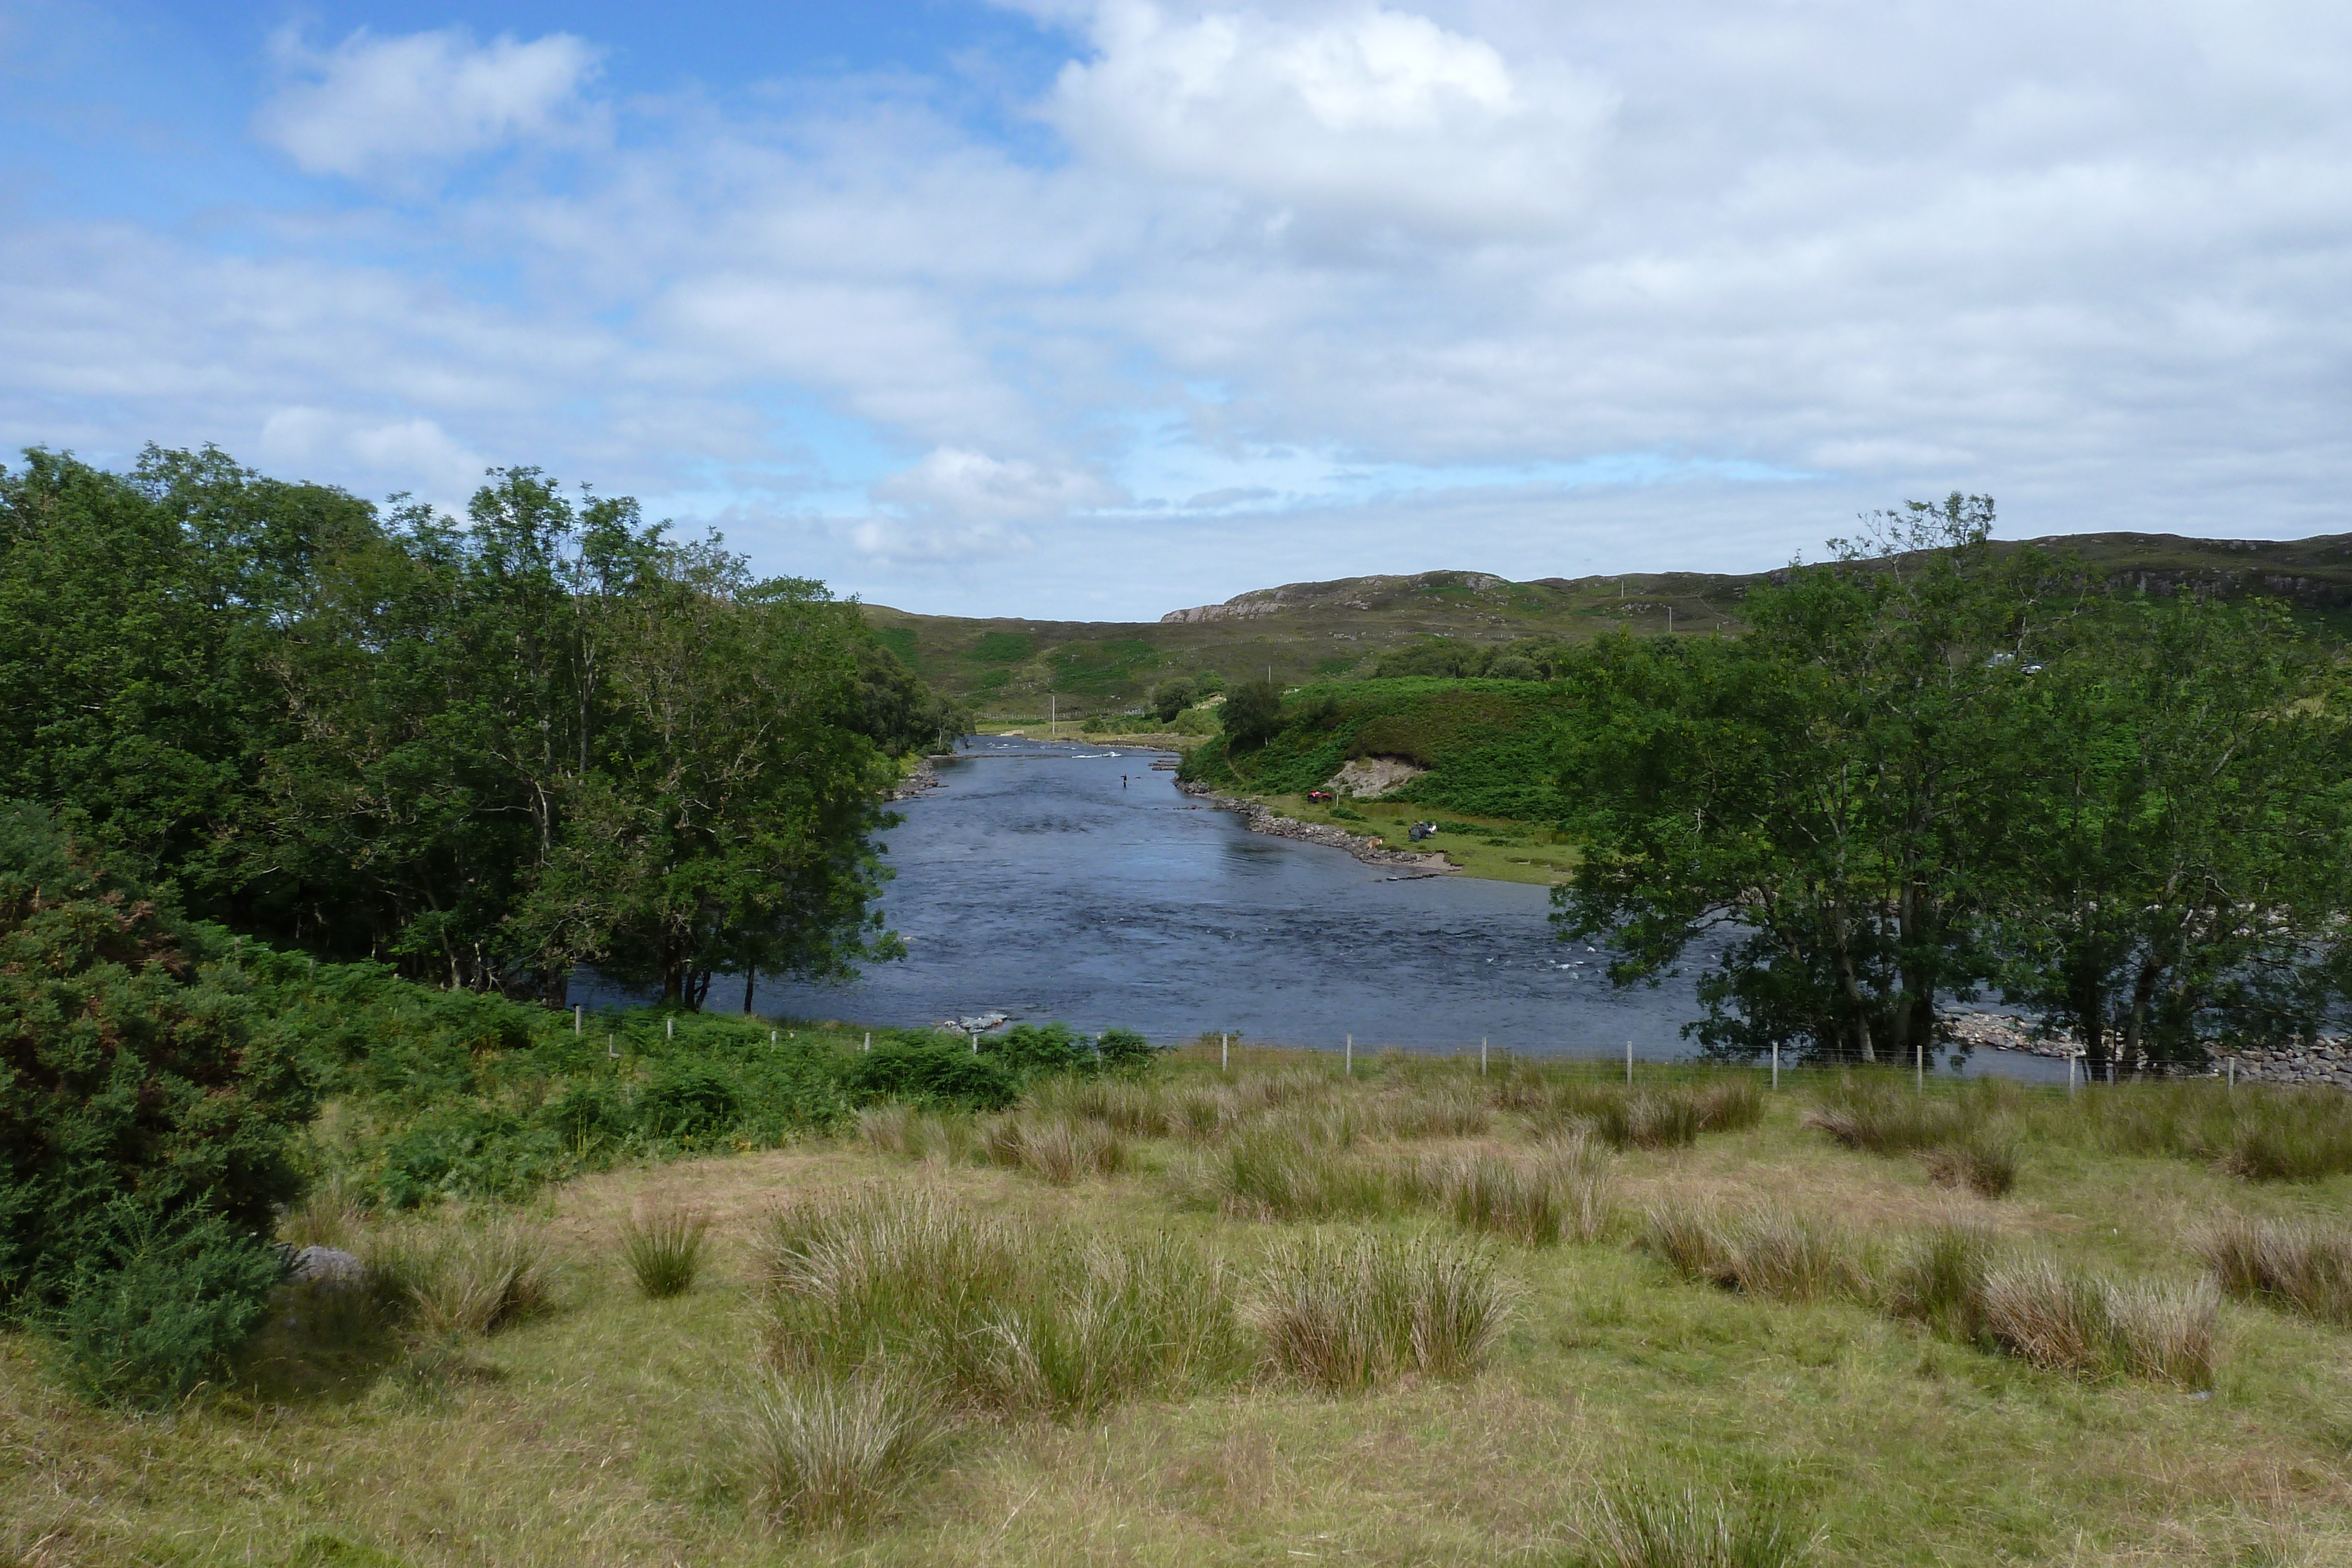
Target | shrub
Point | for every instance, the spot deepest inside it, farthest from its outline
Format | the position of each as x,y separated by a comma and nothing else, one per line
161,1306
1123,1050
1346,1314
663,1248
825,1452
2298,1264
133,1065
930,1069
1640,1524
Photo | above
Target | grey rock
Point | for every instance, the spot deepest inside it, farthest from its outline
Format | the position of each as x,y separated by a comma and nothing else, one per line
327,1266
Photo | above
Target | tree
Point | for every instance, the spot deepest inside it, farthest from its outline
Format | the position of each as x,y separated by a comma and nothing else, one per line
1823,786
1253,712
1173,696
2173,858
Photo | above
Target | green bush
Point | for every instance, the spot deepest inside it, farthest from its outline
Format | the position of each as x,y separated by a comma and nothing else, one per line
1123,1049
143,1096
161,1305
930,1069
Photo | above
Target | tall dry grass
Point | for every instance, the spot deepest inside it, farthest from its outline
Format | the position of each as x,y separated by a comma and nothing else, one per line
1349,1313
1938,1277
463,1279
1651,1116
992,1317
1057,1150
1772,1252
663,1249
1562,1190
822,1452
2066,1322
1642,1524
2302,1265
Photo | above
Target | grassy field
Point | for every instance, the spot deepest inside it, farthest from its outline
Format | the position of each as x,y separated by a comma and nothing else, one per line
1416,1316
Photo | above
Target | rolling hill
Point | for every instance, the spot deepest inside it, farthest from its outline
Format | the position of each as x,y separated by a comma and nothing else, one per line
1007,667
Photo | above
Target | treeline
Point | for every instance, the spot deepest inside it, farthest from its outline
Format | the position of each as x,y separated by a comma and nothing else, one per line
1931,771
483,750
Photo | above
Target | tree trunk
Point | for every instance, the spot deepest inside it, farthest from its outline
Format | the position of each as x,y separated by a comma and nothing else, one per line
750,979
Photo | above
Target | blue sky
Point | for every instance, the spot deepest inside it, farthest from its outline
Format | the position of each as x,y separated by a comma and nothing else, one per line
1102,307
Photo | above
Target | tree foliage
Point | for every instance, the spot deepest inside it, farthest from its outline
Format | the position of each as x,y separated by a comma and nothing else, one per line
487,749
1929,770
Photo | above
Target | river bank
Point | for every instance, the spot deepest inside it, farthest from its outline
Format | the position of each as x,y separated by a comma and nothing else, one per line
2326,1061
1263,819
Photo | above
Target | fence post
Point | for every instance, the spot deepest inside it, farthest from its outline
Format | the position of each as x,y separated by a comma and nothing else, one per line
1482,1056
669,1028
1350,1060
975,1042
1629,1064
2233,1075
1224,1053
771,1037
1919,1060
1776,1064
612,1047
577,1019
2072,1062
869,1039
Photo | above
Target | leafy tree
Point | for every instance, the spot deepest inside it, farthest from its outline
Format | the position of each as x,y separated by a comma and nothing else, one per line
2173,852
1173,696
1253,712
1824,787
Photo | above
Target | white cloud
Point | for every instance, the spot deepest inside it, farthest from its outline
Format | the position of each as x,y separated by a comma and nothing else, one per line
373,107
1369,115
960,505
1404,274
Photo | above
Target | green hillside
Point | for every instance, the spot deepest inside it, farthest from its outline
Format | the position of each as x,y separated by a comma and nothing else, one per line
1303,633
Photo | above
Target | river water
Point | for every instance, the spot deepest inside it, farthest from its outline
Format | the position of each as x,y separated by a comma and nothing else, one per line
1074,882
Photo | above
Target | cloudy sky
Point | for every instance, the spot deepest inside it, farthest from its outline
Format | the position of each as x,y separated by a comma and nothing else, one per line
1095,309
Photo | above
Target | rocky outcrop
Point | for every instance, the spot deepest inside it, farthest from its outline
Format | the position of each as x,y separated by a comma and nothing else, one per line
2327,1059
1343,593
1261,818
923,777
1369,778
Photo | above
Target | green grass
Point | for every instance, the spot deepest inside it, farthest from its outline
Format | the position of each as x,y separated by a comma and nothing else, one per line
890,1356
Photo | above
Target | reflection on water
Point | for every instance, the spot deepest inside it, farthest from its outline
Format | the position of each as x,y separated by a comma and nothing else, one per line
1072,882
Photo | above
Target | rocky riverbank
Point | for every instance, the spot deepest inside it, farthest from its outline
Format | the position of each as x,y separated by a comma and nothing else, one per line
2327,1059
922,777
1261,818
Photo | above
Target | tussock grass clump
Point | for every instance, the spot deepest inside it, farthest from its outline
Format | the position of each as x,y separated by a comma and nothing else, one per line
1651,1116
949,1137
663,1247
1640,1524
2301,1265
1348,1313
1985,1164
1564,1192
463,1279
993,1317
330,1214
2064,1322
1769,1252
822,1452
1285,1169
1879,1116
1057,1151
1937,1278
1689,1240
1443,1109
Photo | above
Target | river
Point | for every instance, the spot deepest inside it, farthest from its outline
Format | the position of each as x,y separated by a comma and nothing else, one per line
1074,882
